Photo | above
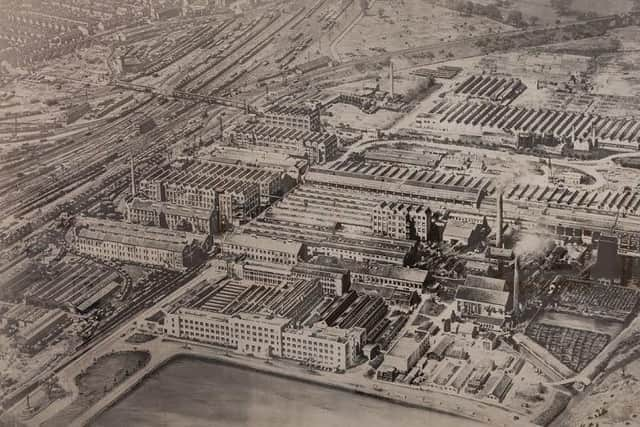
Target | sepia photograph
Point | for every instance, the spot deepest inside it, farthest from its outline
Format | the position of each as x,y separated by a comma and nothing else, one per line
319,213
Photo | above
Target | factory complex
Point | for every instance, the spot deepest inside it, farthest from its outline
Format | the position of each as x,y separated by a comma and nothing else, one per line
435,203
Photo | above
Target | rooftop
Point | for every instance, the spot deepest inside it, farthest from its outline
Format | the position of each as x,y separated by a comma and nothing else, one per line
263,243
407,344
263,318
269,268
486,296
374,269
169,209
259,130
608,265
290,110
326,332
455,230
482,282
132,234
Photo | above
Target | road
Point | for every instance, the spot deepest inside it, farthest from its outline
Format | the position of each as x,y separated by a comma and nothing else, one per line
586,167
334,53
68,373
108,327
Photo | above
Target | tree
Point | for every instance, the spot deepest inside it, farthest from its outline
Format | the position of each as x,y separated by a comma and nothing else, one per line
541,388
562,6
515,18
492,11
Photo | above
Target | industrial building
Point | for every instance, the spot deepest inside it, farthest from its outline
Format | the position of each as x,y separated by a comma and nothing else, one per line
315,147
406,352
174,250
303,118
356,310
608,268
542,208
375,274
387,275
235,331
427,158
335,279
403,184
402,221
174,217
264,249
326,219
484,300
267,321
324,347
264,273
237,197
492,88
264,159
35,335
265,335
481,119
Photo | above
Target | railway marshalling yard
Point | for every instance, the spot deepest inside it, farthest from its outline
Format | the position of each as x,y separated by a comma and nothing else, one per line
395,82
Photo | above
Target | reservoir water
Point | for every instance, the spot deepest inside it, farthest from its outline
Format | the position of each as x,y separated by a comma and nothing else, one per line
196,393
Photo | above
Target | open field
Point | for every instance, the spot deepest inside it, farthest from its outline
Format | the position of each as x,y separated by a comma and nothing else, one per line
602,7
542,12
393,25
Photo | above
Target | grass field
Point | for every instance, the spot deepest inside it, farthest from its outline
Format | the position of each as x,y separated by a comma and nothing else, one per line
101,377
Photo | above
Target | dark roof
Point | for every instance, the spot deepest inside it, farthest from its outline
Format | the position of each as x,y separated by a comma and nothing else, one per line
483,282
455,230
323,61
502,253
442,345
489,321
607,264
502,387
487,296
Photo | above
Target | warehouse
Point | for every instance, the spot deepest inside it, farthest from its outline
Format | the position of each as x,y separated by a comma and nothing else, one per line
302,118
133,243
173,217
35,336
406,352
264,249
378,274
480,117
236,199
335,279
402,221
316,147
487,307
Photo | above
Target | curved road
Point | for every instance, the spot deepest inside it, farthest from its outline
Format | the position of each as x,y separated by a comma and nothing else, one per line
587,167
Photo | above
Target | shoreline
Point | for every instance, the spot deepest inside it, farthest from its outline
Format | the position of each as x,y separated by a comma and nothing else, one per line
260,366
224,360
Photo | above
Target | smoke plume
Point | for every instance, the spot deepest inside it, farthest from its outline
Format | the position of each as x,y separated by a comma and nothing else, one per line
532,245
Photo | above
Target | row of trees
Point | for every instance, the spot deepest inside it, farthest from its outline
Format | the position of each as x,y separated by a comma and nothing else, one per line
491,11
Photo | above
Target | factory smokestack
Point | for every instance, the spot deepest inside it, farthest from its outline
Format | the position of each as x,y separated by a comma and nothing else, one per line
499,221
516,287
133,179
391,90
